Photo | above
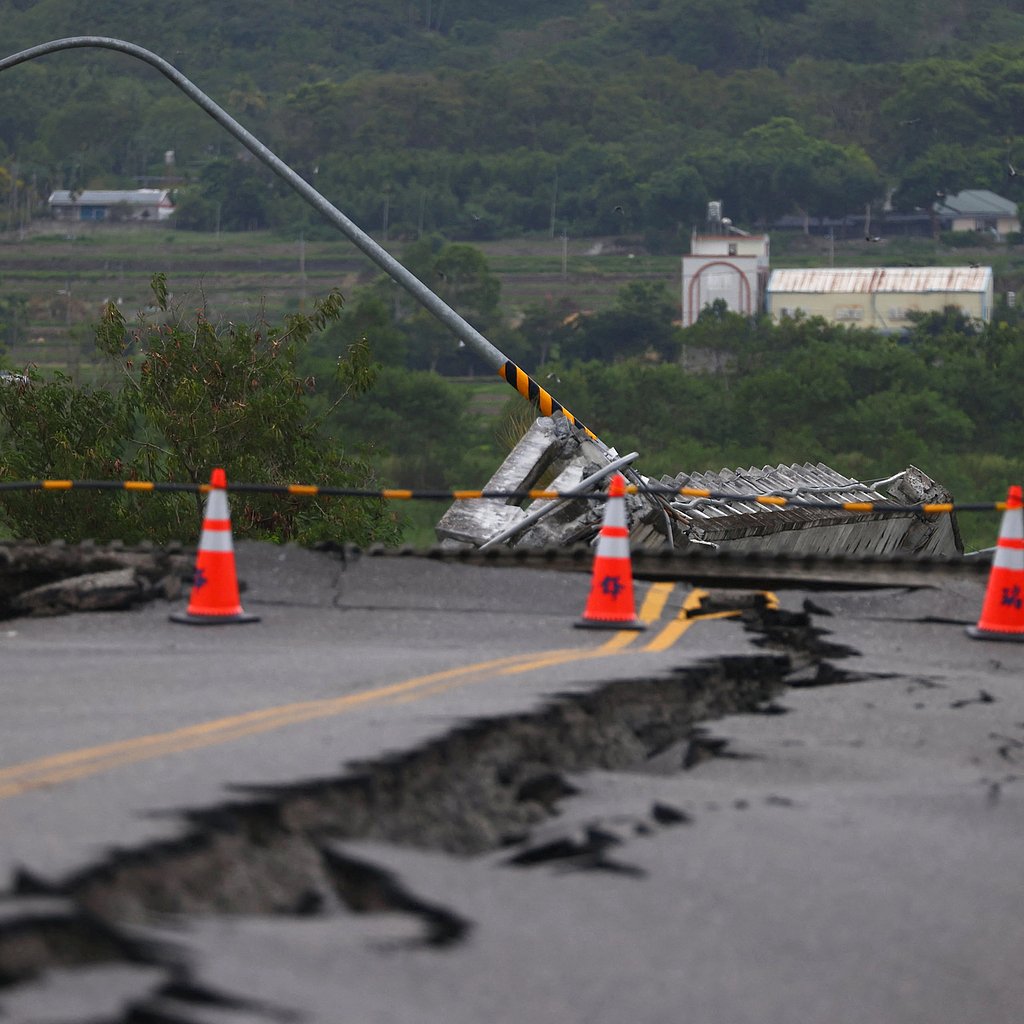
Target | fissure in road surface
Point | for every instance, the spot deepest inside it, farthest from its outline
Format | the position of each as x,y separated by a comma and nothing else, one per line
481,787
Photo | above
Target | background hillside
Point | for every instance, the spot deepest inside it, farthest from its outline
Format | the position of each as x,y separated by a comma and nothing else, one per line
484,119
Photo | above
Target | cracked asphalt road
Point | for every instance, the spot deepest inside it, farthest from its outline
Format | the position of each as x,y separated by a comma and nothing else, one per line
850,852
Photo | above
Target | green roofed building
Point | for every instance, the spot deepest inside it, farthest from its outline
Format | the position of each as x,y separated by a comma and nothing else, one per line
977,209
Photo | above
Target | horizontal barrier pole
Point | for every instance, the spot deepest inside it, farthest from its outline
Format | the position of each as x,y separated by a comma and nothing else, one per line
400,494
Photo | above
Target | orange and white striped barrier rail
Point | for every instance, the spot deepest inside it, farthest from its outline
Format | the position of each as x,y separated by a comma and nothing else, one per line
404,494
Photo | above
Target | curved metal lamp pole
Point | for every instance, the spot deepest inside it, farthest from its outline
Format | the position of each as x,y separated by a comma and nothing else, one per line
494,358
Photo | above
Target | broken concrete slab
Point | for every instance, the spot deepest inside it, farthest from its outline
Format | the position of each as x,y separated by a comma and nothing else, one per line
52,579
112,590
554,448
550,449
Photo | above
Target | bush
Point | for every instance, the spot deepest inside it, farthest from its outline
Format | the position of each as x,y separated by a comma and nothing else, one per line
193,395
967,239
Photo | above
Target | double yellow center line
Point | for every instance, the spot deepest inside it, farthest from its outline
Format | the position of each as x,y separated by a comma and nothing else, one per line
78,764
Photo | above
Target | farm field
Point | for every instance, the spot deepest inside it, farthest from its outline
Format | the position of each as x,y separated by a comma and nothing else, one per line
67,272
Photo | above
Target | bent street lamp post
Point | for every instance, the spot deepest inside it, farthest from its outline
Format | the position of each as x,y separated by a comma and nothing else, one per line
494,358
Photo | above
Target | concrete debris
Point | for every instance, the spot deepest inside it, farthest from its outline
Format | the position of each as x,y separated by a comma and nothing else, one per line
53,579
550,450
93,591
554,450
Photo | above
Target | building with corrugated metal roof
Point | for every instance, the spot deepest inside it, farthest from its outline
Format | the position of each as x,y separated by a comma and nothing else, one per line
139,204
879,297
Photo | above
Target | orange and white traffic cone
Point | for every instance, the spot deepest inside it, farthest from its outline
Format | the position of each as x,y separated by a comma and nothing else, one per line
214,597
1002,614
610,605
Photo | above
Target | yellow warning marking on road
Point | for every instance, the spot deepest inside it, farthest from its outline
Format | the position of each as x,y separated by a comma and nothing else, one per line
650,611
553,658
527,664
685,619
77,764
654,602
48,771
680,624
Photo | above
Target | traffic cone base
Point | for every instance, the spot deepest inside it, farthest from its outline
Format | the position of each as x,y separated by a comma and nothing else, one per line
610,624
610,604
988,634
1002,614
211,620
213,600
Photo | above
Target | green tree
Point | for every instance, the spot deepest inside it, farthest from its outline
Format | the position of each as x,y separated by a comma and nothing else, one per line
419,426
13,319
239,191
671,201
54,430
194,395
461,275
779,167
947,168
640,323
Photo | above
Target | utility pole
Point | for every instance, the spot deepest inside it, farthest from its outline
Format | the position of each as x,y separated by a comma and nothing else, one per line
433,303
554,202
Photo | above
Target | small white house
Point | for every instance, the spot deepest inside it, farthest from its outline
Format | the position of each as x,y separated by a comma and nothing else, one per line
140,204
724,263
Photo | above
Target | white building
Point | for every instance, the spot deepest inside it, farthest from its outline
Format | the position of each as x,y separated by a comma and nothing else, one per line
724,263
140,204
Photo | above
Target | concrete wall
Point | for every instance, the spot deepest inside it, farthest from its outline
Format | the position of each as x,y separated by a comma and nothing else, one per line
882,310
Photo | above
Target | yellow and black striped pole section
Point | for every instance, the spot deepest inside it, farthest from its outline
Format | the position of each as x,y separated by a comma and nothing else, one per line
533,392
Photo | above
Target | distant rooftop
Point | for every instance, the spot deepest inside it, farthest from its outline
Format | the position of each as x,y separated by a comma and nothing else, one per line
114,197
880,279
976,202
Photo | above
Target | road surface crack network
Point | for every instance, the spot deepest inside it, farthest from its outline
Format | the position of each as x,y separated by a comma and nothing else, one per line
491,784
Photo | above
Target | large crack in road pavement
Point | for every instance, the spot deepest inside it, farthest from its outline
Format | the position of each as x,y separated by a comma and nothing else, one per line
488,785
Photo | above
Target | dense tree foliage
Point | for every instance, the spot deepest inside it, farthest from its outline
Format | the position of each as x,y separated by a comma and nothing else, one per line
485,119
945,397
193,395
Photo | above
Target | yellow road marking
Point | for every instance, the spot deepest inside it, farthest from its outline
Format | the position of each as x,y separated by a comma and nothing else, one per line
680,624
654,601
76,764
559,658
